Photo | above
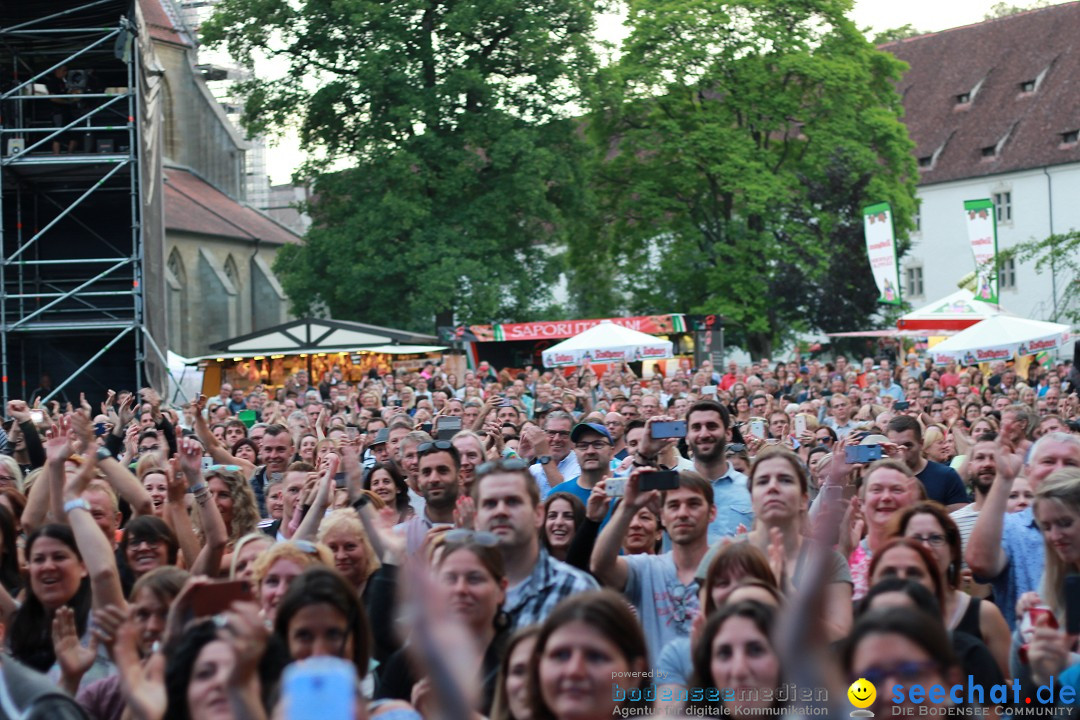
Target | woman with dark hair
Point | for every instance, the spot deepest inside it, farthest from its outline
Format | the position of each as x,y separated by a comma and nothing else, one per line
321,615
906,645
56,578
470,578
592,634
10,577
386,481
563,515
735,651
512,686
929,523
246,449
147,544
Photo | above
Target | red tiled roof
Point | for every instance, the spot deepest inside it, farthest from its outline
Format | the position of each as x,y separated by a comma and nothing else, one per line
194,205
1001,54
160,25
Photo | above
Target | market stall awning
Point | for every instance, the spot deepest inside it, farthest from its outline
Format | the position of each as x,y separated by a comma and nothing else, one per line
1001,338
404,349
888,334
607,343
313,335
955,312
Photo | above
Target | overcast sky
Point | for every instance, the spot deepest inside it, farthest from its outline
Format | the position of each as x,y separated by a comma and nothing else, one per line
926,15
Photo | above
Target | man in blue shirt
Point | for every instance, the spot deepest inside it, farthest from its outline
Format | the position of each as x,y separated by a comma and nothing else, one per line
593,447
707,423
942,483
1007,549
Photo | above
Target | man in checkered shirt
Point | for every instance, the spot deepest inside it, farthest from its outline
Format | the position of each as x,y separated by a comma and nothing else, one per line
508,507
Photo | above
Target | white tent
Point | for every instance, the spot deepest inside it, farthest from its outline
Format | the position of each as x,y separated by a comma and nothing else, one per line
607,343
957,311
1001,338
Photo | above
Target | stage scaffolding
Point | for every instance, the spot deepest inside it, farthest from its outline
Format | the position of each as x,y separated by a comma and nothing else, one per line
74,173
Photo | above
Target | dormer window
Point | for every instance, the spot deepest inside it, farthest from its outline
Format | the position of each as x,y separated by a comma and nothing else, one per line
927,161
989,152
1028,86
963,98
1070,138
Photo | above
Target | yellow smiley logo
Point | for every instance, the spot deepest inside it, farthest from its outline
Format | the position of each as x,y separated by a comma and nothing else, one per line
862,693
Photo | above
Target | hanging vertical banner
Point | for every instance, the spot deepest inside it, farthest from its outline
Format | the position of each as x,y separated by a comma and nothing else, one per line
881,249
982,234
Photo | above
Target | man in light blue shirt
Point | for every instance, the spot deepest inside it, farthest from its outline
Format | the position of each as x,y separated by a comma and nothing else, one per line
707,425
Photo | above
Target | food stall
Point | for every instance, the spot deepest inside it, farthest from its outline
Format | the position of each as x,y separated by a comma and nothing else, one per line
270,356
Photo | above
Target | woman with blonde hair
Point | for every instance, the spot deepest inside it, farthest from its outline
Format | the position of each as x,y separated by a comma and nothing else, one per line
235,500
1057,513
937,444
278,566
155,479
11,475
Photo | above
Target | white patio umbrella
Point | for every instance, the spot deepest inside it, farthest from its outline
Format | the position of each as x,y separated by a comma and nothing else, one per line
1002,337
607,343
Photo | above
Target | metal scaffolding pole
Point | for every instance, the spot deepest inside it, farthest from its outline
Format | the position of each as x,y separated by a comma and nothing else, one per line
67,281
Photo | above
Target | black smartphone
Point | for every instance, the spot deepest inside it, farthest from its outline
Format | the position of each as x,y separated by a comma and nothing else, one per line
339,480
426,427
664,430
901,405
1072,604
449,426
660,480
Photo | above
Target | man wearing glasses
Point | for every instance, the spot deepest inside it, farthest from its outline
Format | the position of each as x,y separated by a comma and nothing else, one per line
594,450
439,466
553,461
508,507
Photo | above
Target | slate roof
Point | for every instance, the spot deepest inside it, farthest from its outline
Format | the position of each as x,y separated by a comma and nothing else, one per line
1004,127
194,205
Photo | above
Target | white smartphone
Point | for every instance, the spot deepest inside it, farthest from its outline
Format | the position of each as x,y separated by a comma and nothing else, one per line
615,487
800,423
708,390
319,688
757,428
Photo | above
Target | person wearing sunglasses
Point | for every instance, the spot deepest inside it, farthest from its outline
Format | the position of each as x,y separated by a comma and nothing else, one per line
439,468
508,506
895,646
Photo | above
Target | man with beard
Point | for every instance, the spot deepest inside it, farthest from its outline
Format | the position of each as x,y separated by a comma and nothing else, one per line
662,588
981,471
438,471
707,424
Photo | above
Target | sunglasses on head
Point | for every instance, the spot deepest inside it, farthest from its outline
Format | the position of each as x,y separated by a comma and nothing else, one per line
504,464
463,535
434,446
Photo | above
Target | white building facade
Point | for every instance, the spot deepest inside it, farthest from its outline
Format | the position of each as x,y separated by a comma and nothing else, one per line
994,112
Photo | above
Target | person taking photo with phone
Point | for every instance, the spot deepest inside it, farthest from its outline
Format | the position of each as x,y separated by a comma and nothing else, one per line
663,588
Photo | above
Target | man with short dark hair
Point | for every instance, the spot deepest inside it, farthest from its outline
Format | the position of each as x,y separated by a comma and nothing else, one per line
707,425
942,483
277,452
439,467
508,506
662,588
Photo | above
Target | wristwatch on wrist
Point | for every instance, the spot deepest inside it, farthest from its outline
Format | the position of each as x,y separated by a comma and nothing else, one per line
544,459
103,454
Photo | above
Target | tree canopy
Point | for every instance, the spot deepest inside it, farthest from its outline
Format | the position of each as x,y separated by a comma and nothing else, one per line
456,118
736,144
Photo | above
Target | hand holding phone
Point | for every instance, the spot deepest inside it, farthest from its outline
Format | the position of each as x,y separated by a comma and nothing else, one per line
659,480
665,430
319,688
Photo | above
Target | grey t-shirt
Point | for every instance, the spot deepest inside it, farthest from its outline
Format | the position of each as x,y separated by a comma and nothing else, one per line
665,606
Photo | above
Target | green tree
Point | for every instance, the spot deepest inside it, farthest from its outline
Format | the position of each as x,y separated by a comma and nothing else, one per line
1058,255
1004,9
897,33
454,116
737,143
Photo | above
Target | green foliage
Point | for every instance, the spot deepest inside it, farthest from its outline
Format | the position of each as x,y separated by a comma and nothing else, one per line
1059,255
897,33
454,117
737,143
1004,9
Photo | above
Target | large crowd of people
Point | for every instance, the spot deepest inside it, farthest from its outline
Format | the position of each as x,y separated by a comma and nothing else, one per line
527,545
